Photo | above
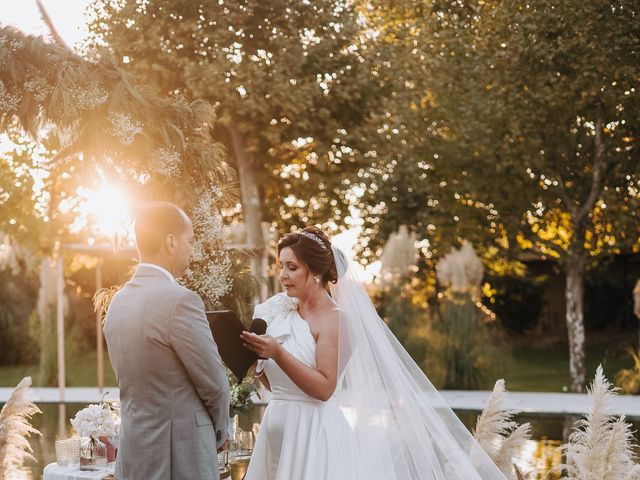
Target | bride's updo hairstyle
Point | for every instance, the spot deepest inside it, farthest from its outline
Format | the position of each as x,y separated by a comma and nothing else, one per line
313,248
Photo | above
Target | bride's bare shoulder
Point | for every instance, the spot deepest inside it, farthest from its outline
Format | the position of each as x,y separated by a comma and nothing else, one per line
330,322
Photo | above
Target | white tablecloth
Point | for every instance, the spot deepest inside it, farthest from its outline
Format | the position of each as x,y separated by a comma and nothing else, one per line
73,472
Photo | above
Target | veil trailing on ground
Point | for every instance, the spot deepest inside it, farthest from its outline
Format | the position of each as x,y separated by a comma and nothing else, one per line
403,427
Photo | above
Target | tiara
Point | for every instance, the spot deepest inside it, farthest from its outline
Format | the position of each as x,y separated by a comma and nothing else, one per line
314,238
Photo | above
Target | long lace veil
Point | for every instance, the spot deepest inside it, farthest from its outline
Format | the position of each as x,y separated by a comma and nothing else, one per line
403,427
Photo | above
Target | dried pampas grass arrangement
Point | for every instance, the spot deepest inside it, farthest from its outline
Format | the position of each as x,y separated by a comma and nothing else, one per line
460,269
14,430
601,445
501,437
102,299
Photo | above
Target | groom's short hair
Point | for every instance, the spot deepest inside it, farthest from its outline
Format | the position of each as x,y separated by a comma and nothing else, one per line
154,221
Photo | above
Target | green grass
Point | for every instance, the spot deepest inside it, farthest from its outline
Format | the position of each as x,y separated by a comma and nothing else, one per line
81,372
544,367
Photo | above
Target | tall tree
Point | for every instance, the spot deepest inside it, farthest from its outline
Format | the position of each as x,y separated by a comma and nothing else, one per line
559,90
535,108
410,181
290,82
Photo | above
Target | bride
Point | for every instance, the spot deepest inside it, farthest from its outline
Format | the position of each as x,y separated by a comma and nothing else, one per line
348,402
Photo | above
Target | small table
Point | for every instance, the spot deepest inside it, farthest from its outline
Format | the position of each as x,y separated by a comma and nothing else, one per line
72,472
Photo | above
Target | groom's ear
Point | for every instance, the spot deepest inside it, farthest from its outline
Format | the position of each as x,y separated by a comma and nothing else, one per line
170,242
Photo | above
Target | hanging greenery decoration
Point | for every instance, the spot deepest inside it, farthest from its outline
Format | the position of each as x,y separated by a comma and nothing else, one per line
101,115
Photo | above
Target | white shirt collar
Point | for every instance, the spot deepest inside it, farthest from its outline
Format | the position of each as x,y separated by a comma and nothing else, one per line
158,267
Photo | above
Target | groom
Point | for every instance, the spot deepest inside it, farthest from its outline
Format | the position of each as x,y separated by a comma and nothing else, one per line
173,388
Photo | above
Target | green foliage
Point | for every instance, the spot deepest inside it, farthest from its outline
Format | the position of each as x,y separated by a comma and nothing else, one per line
291,82
17,297
245,289
524,134
407,320
464,345
410,181
515,111
557,86
21,167
517,301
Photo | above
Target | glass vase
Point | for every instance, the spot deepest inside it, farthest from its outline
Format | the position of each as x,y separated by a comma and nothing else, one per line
93,454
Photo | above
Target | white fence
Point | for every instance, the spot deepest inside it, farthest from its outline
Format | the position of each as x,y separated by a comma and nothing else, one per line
526,402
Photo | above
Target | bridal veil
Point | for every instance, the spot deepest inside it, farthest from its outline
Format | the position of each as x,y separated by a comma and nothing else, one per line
403,427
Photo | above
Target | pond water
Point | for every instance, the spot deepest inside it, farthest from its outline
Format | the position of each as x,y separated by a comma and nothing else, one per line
541,452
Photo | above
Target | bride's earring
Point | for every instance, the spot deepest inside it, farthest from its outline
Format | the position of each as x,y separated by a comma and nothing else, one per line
317,278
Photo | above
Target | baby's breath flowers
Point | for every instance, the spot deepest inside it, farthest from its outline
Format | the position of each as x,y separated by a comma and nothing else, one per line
123,127
166,161
208,274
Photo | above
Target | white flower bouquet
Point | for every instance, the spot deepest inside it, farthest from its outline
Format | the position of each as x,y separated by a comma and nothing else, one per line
95,421
240,392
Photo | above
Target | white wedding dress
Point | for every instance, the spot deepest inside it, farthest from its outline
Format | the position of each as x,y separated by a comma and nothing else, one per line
386,420
300,437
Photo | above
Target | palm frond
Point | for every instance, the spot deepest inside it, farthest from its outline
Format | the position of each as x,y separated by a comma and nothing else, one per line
14,432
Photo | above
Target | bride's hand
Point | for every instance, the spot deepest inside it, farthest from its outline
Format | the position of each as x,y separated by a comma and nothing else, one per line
265,346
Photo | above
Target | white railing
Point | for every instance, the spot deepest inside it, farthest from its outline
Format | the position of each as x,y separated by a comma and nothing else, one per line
71,394
545,403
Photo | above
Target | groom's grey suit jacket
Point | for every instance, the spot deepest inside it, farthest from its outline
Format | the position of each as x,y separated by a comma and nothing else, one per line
174,390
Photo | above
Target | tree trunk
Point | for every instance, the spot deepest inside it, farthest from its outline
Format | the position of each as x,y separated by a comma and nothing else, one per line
576,263
251,202
575,321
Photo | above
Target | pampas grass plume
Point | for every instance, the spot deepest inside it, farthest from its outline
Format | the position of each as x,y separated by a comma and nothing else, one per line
14,432
460,269
499,436
601,446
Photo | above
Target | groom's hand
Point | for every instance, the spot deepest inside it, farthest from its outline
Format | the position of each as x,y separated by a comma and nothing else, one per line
265,346
224,446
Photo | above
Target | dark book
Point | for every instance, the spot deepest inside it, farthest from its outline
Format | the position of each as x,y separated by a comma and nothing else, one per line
226,328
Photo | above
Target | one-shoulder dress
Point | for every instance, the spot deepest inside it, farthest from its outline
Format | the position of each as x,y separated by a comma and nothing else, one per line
301,438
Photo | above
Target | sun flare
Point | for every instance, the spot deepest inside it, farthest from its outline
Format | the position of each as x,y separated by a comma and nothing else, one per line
104,212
